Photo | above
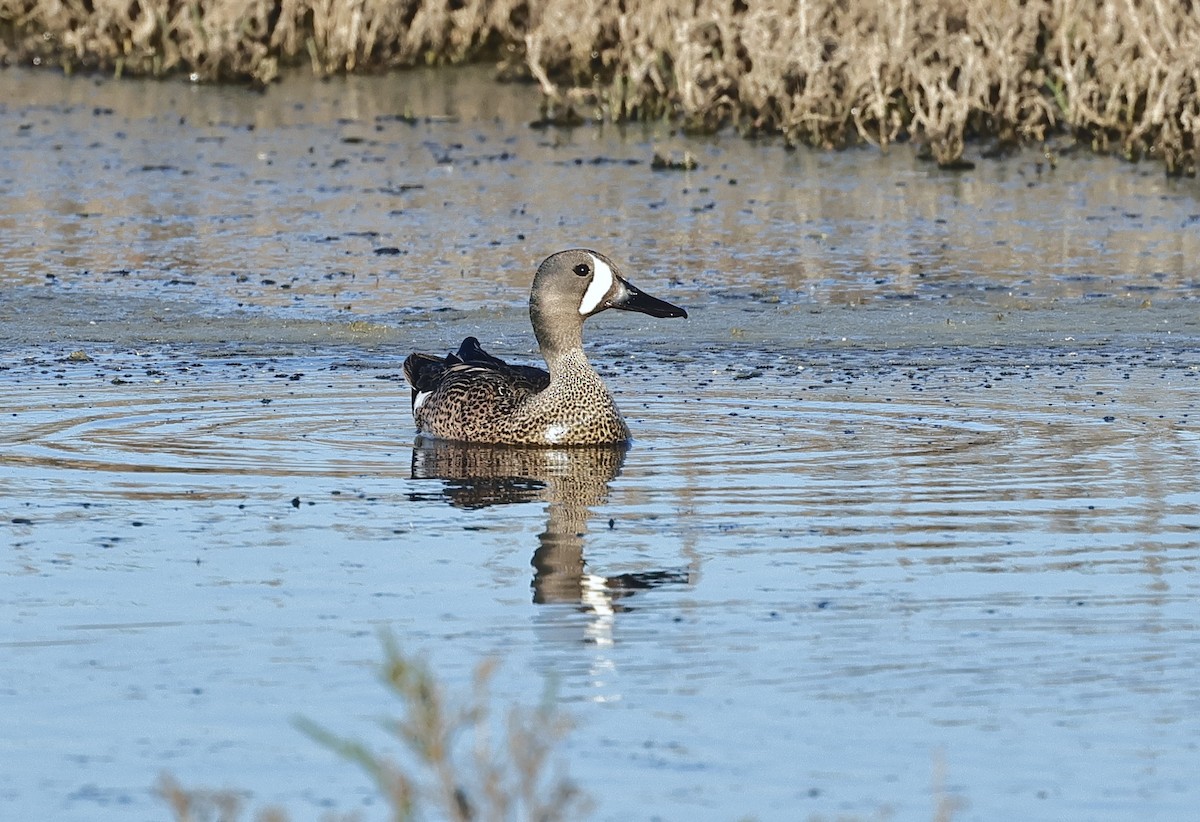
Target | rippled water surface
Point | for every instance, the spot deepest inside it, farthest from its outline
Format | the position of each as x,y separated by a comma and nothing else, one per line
912,517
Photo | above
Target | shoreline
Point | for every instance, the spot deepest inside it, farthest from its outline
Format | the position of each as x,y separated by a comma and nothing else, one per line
1114,78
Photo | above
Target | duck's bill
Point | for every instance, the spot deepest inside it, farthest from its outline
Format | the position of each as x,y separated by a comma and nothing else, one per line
630,298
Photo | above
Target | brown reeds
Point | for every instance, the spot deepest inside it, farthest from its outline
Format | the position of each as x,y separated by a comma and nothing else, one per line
217,40
1121,75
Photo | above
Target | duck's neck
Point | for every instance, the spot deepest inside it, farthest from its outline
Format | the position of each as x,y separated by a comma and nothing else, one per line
571,367
561,344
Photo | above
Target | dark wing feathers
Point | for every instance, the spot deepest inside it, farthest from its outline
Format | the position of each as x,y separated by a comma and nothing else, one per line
426,372
471,353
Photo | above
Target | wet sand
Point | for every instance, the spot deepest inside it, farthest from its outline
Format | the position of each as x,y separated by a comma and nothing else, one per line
914,487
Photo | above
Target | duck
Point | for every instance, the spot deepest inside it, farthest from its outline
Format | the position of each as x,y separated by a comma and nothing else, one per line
472,396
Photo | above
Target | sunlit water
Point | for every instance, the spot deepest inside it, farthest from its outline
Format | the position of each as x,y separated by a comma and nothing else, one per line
857,562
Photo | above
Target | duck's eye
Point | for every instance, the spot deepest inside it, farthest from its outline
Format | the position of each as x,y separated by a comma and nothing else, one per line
582,269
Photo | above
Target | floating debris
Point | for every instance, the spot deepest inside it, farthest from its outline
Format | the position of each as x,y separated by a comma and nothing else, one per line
663,163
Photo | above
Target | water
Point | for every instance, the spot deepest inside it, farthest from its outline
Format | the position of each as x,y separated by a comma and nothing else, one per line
911,516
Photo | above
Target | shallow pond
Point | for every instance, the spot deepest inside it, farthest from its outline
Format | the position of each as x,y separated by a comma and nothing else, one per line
911,518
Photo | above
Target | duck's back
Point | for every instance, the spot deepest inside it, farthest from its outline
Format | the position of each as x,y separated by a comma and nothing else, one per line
474,397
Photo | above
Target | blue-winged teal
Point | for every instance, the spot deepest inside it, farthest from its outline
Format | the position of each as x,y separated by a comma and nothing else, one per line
474,397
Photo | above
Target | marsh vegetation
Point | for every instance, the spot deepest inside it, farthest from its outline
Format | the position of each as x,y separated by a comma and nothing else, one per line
455,759
1117,76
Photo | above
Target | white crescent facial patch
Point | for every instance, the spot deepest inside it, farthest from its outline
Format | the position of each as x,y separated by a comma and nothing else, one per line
597,290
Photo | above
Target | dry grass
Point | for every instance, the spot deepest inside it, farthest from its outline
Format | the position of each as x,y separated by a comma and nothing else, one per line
1122,75
449,764
215,40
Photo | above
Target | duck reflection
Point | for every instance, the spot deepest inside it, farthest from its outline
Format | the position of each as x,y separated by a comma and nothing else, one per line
570,481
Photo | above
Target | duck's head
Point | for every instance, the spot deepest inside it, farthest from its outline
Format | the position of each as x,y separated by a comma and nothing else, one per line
571,286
